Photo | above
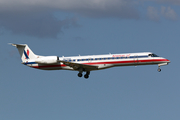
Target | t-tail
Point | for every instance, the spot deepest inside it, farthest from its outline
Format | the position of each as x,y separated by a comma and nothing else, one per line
25,52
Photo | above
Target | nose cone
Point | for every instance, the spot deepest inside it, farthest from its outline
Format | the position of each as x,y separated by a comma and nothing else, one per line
165,60
168,61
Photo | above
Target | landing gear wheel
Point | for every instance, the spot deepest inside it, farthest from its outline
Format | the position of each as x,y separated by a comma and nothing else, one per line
86,76
159,69
79,74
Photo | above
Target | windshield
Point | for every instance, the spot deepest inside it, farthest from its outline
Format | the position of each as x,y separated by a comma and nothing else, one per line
153,55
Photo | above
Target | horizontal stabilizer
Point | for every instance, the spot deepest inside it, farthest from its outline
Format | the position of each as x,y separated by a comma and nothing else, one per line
23,45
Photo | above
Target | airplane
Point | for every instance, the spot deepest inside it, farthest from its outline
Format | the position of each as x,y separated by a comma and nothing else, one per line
87,63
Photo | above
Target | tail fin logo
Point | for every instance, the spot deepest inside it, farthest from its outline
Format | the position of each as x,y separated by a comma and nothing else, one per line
26,54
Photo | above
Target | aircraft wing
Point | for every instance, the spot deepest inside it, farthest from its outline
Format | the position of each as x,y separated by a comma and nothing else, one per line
77,66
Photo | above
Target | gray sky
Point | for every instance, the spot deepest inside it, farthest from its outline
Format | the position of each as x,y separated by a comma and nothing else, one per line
36,18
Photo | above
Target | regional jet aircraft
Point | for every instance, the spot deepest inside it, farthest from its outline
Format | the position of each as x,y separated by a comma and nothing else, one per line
87,63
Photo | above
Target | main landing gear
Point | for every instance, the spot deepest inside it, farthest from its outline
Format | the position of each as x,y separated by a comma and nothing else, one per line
79,74
85,76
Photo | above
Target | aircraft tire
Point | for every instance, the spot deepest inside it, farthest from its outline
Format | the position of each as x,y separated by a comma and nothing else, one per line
159,70
86,76
79,74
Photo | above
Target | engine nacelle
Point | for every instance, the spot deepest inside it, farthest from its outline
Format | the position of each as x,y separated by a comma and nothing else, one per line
47,60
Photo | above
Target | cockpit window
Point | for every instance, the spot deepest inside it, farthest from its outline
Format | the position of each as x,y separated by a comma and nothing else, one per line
153,55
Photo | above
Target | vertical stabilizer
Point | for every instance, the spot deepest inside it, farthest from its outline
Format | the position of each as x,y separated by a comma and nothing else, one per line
25,52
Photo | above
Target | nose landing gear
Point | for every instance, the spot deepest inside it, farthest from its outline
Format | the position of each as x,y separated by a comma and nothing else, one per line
159,69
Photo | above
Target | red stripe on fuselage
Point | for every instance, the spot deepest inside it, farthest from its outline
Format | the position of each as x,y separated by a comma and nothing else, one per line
130,61
112,62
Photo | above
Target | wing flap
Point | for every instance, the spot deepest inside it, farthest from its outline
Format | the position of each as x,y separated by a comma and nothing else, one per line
77,66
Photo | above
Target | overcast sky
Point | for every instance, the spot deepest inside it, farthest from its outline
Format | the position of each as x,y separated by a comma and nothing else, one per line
88,27
36,17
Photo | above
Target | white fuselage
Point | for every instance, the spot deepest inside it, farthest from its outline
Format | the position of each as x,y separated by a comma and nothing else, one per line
102,61
87,63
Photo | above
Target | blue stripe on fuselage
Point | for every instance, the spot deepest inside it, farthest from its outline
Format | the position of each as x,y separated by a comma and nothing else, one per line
95,60
30,63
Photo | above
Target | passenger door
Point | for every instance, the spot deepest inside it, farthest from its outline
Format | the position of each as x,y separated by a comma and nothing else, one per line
136,59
